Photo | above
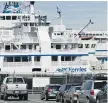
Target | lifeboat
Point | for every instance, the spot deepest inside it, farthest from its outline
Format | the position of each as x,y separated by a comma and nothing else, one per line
86,37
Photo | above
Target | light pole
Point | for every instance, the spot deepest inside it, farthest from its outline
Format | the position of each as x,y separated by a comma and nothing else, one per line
90,22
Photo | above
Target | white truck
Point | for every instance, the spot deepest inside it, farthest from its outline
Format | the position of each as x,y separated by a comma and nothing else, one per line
14,86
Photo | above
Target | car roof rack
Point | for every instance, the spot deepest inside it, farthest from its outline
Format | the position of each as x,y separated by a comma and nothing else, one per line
100,76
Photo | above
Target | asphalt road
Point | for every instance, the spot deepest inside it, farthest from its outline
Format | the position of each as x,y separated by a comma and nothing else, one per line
32,98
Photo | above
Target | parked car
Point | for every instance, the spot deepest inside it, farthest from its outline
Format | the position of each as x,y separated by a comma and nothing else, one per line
64,88
71,95
14,86
102,95
90,89
49,91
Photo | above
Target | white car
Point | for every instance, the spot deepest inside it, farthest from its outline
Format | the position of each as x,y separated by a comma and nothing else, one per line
14,86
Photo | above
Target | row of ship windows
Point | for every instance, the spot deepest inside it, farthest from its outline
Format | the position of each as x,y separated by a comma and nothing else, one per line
23,47
36,58
14,17
58,46
81,34
73,46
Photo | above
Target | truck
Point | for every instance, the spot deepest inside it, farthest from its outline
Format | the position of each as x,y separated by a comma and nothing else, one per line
14,87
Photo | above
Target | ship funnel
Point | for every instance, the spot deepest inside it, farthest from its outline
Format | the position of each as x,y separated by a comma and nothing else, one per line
32,2
32,10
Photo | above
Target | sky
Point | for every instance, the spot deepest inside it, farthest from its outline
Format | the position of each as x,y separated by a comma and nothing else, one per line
75,14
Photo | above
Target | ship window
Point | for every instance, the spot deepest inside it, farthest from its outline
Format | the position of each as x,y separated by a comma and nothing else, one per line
66,46
31,24
28,17
17,59
93,45
9,59
2,17
8,17
62,58
35,24
37,58
19,17
29,58
54,33
73,58
61,33
36,69
67,58
25,59
58,33
58,46
14,17
35,47
25,24
54,58
14,47
7,47
23,46
86,45
80,45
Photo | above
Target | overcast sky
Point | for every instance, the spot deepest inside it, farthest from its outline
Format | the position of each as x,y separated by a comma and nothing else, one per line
76,14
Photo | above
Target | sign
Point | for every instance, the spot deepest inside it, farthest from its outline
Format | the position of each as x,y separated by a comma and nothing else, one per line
80,69
40,81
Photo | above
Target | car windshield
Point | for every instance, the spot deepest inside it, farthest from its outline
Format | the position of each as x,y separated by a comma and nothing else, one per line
78,88
98,85
54,87
14,80
68,87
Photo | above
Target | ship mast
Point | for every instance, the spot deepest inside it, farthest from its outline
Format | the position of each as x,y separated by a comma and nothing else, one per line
32,16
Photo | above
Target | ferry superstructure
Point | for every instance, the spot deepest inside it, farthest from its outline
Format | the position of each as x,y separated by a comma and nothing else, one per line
29,43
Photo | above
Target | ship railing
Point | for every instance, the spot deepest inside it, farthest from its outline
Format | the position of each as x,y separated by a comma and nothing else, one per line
15,64
68,63
30,39
22,51
64,63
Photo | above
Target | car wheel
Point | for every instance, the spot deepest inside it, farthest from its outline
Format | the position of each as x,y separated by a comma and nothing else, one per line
71,100
57,100
46,98
20,97
5,97
1,96
77,101
88,101
26,97
97,101
41,97
65,100
61,99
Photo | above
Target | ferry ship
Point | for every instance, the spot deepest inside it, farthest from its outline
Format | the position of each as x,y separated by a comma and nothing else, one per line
29,43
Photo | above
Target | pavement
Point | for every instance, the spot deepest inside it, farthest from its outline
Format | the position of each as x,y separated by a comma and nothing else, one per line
32,98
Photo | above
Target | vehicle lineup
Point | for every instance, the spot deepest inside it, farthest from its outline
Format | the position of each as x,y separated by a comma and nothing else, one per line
92,90
56,53
14,86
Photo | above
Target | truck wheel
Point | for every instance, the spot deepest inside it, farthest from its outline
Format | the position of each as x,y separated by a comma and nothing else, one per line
57,100
46,98
5,97
20,97
26,97
1,97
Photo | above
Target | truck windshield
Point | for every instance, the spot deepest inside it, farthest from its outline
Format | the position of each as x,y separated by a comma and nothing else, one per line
14,80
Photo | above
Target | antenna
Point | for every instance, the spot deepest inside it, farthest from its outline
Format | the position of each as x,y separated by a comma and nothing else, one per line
60,16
